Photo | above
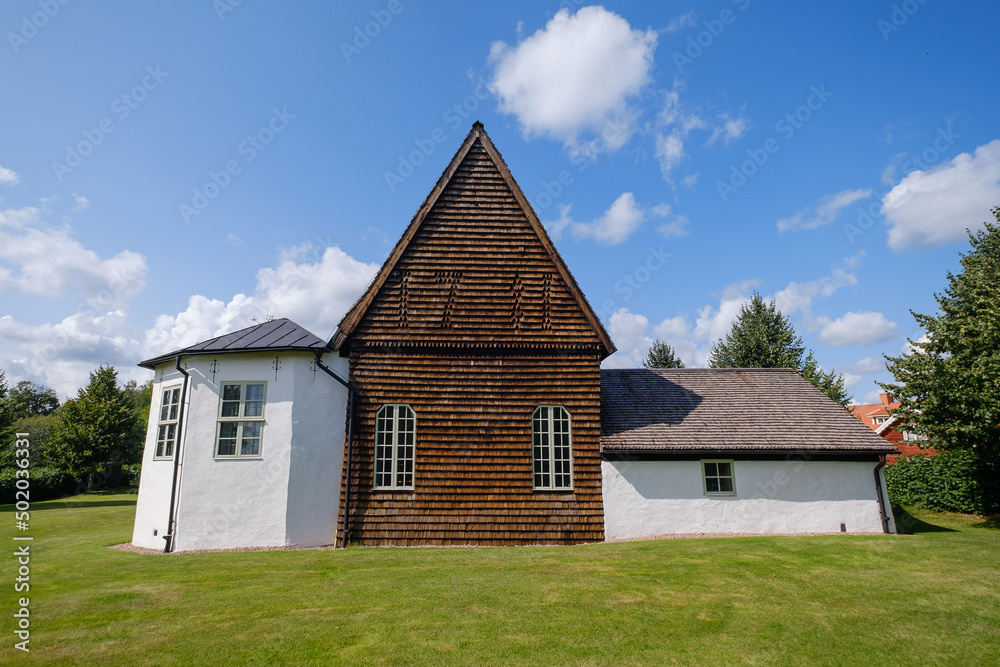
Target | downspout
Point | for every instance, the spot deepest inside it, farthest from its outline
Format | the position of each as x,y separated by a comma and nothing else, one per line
171,525
350,438
878,492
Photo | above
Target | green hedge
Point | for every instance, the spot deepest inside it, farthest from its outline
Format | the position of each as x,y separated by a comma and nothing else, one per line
49,483
953,481
44,484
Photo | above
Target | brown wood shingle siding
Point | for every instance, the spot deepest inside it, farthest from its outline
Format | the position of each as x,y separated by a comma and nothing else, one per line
474,322
473,468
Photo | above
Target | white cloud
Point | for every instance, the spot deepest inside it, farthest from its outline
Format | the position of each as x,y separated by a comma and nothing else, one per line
39,260
908,347
233,240
825,210
8,177
729,129
575,76
622,218
81,202
797,297
934,207
857,328
676,121
61,355
313,294
866,366
555,227
681,22
670,152
675,228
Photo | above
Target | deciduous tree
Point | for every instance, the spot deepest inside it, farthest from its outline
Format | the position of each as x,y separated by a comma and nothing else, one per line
948,384
98,428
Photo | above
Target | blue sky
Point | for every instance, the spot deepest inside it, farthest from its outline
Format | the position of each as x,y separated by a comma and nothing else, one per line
168,173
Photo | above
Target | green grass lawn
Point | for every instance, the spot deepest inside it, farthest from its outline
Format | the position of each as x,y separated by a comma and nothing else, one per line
928,598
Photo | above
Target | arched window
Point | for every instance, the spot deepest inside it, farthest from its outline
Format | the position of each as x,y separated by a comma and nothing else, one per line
552,448
395,441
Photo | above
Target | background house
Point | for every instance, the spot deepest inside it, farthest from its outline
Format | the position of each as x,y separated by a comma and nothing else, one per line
877,417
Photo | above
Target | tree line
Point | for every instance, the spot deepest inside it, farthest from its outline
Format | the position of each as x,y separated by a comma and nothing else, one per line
85,442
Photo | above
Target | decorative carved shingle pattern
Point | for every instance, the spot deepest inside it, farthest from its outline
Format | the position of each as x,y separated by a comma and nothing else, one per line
476,273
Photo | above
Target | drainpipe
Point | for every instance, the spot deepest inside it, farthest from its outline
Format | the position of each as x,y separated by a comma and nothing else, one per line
350,438
171,526
878,492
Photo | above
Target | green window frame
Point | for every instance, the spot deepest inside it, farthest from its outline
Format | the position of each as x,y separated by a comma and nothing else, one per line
718,477
240,433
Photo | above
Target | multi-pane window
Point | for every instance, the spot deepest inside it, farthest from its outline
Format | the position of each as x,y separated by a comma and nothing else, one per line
241,420
551,445
395,440
166,429
718,477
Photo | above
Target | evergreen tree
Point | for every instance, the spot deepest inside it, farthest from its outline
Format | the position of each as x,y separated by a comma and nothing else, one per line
98,429
761,337
949,381
661,355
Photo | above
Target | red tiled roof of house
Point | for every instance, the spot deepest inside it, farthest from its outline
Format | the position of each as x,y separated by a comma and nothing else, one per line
867,414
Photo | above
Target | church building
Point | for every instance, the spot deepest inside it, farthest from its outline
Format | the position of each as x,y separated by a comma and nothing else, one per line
461,401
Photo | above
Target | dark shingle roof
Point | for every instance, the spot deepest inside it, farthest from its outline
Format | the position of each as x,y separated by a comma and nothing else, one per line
725,408
274,336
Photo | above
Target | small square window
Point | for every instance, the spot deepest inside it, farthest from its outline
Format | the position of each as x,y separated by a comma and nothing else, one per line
718,478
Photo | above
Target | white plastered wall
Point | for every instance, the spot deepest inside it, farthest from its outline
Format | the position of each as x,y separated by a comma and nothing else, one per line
649,498
288,497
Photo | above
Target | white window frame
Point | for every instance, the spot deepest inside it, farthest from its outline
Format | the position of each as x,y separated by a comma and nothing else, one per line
397,464
731,477
240,419
169,411
548,433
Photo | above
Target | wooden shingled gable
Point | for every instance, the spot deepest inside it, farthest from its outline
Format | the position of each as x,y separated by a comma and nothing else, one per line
474,268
